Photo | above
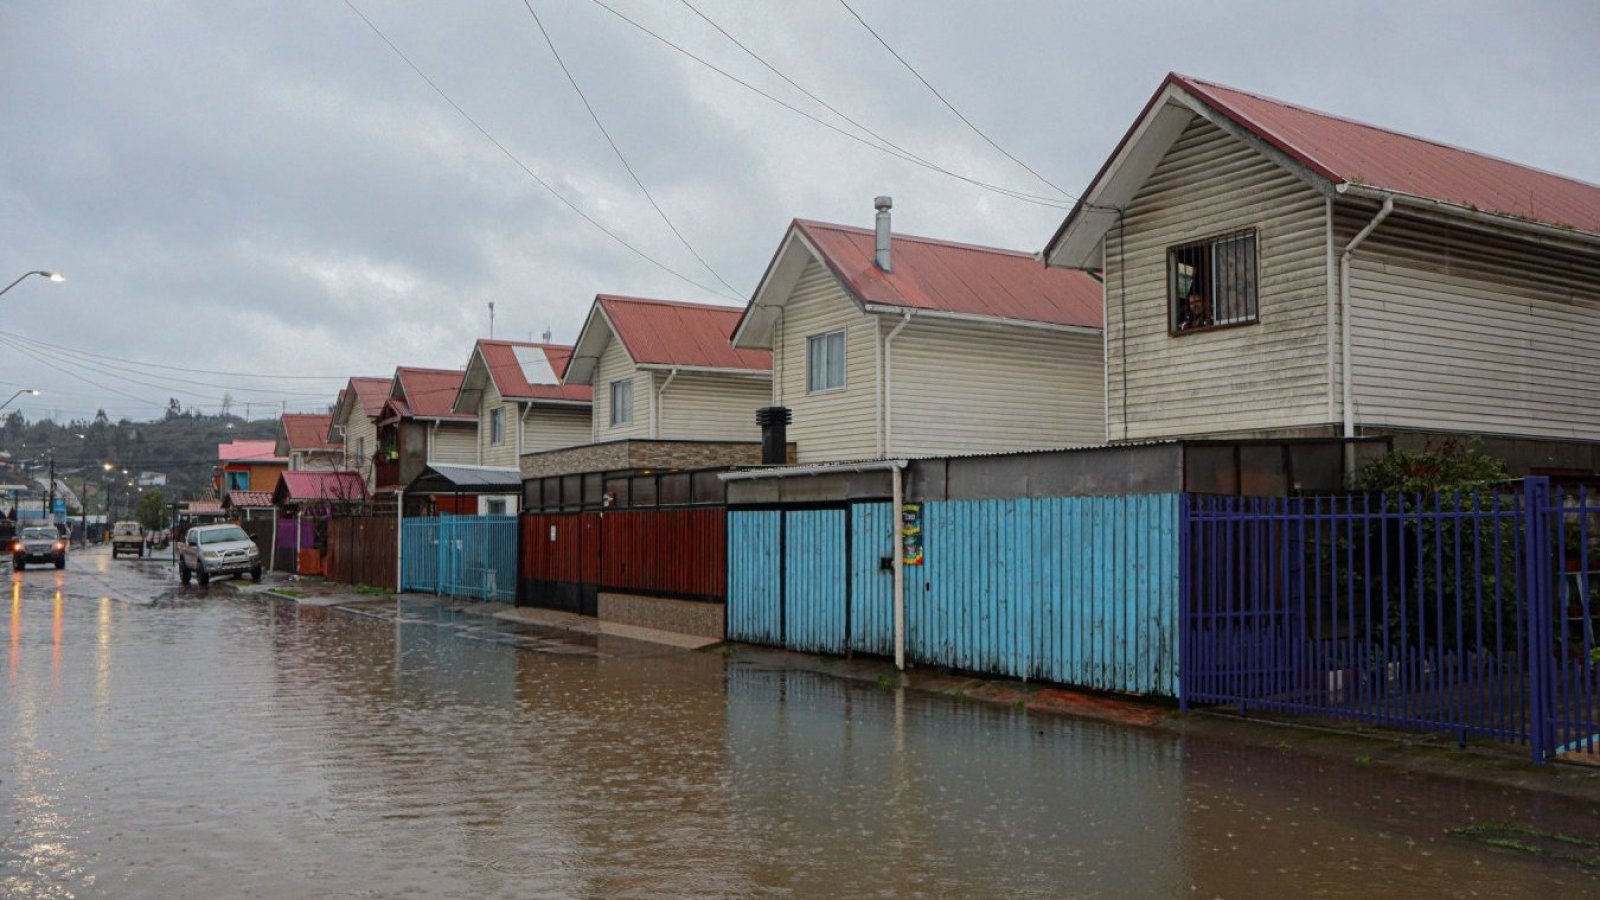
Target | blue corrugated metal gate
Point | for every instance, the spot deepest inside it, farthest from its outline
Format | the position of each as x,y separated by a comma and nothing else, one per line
461,556
1074,590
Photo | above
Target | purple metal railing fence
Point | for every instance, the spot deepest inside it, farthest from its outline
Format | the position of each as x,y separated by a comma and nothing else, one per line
1472,615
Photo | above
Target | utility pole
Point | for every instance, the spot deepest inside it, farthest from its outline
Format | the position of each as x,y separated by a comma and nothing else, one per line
50,505
491,320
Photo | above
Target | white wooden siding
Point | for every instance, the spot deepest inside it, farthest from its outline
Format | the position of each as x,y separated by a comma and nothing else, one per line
552,428
453,442
1460,331
359,429
315,460
965,388
712,407
504,453
615,365
837,424
1247,378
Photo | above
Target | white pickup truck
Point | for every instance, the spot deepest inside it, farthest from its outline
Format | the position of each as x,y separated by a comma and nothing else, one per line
210,551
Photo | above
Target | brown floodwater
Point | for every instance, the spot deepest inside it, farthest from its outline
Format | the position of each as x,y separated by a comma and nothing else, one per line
167,742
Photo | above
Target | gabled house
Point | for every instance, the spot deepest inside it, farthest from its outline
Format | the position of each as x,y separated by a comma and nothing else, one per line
665,370
894,345
1275,271
514,391
354,424
247,466
303,440
418,426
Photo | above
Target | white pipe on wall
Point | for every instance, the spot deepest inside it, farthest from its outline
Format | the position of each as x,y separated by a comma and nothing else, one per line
888,387
655,404
1344,311
1333,298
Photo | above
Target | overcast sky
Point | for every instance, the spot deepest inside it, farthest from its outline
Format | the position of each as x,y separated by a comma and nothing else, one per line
268,188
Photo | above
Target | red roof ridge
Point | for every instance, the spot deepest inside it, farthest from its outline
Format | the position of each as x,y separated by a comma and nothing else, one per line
501,342
1199,85
427,369
902,236
621,298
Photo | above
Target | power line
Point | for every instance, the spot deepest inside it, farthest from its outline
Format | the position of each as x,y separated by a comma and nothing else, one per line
175,368
165,383
948,105
517,160
897,154
618,151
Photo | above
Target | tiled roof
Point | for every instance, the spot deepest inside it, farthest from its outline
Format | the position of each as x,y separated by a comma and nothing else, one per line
242,499
308,431
1349,152
524,371
956,278
429,393
300,486
668,333
249,452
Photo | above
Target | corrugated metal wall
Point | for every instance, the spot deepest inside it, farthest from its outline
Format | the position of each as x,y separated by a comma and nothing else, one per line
755,597
665,552
1075,590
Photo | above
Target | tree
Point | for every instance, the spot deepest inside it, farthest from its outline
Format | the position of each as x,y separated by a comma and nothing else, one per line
152,510
174,408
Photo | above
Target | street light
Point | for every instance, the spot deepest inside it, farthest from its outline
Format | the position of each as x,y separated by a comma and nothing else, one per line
18,393
48,276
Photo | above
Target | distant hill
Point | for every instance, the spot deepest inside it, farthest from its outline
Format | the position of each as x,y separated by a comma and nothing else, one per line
181,446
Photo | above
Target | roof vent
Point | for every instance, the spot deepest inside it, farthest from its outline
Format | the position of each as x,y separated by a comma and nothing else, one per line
883,205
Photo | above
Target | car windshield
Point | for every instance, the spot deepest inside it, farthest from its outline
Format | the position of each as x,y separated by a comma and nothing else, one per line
218,535
127,528
39,534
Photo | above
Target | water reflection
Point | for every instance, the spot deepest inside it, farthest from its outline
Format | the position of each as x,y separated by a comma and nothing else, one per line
217,743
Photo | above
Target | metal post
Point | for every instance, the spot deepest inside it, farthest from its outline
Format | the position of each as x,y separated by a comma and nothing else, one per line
1537,608
897,475
1185,585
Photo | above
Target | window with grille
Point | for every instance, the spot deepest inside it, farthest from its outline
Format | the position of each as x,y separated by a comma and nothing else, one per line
622,402
825,362
1212,283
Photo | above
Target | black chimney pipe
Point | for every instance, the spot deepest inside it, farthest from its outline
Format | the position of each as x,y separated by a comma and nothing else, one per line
774,422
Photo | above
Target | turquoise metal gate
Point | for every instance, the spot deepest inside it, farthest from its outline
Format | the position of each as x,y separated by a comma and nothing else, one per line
461,556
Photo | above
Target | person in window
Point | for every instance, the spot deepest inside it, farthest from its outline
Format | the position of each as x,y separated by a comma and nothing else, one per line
1196,312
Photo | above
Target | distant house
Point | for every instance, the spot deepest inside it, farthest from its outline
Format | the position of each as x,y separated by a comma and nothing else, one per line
354,424
247,466
909,346
514,391
418,426
1346,280
303,439
666,371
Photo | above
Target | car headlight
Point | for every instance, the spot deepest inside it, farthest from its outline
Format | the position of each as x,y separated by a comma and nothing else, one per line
212,554
60,545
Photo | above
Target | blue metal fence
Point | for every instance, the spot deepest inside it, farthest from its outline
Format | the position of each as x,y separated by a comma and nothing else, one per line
815,592
755,588
460,556
1466,614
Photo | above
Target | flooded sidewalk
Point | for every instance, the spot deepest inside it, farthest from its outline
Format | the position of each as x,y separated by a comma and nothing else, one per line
191,742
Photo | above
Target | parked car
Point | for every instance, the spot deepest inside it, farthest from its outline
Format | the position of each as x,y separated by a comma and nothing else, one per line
38,543
127,537
210,551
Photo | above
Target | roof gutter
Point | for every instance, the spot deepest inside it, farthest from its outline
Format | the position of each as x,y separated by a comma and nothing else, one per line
704,370
985,320
1344,310
1462,212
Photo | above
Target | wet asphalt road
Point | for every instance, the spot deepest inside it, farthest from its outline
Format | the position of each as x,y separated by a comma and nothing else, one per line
158,741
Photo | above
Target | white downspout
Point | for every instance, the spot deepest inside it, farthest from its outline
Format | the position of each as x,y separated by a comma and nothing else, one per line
897,476
655,404
1344,312
877,388
1333,299
888,395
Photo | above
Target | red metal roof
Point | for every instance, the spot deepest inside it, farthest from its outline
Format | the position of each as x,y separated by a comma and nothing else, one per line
371,394
1346,151
249,452
511,380
670,333
308,431
242,499
429,393
300,486
956,278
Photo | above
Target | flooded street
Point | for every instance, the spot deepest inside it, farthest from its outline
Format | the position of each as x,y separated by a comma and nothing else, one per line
165,742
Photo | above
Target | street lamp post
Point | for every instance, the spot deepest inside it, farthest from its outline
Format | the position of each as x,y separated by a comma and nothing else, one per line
48,276
31,391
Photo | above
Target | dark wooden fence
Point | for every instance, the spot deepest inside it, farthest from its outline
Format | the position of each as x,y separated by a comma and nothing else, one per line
363,550
569,558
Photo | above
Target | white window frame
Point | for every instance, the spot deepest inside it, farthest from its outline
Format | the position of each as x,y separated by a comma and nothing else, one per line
833,362
621,413
497,426
361,450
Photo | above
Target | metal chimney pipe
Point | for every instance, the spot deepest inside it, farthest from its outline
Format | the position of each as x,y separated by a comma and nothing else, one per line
883,205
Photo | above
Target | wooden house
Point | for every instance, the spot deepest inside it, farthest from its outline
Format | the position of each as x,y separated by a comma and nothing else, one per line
247,466
665,370
419,425
303,440
893,345
1273,271
514,391
354,424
